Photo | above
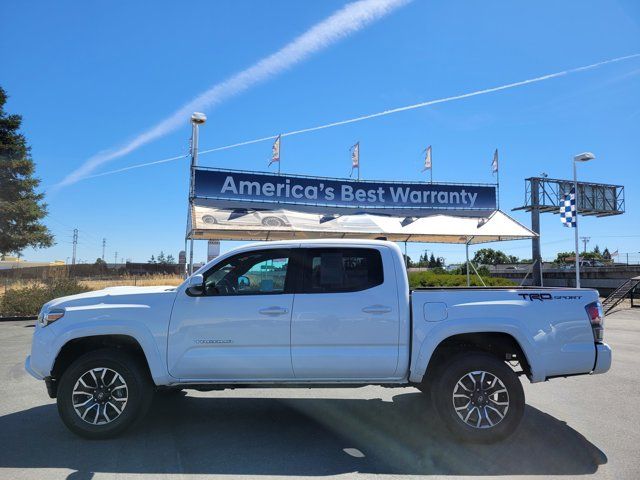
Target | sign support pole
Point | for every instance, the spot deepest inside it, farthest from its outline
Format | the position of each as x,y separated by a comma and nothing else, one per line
466,248
536,254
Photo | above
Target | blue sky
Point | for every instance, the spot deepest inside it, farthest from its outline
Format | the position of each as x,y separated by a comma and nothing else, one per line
91,76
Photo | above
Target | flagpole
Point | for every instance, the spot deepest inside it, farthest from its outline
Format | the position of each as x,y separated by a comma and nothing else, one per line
498,187
279,152
497,172
575,233
358,161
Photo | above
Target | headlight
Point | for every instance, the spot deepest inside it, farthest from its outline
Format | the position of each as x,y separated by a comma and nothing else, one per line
45,318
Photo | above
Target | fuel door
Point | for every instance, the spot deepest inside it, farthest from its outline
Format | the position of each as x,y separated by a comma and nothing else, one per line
435,311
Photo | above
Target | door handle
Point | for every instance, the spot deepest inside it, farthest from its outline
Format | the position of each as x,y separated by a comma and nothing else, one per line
273,311
377,309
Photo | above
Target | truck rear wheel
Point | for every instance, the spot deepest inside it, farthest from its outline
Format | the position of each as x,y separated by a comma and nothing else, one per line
102,393
478,397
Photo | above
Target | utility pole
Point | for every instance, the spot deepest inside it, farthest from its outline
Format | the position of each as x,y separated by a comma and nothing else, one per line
104,245
75,246
115,260
585,240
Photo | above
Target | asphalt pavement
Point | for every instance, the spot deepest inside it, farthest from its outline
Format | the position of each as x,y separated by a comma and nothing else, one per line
587,425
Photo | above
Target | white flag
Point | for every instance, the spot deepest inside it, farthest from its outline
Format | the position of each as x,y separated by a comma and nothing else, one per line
494,164
355,156
275,151
427,159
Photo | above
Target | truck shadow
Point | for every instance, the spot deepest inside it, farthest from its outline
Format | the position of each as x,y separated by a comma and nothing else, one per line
294,436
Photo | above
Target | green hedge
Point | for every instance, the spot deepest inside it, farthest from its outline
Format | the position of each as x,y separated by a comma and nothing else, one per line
28,300
432,279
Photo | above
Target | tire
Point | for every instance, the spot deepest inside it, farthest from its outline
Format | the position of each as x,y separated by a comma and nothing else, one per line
111,381
272,222
485,415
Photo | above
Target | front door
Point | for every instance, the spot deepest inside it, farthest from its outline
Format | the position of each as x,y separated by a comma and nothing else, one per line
346,321
239,328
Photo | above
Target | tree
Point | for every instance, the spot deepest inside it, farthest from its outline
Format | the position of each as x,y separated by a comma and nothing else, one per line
21,207
562,257
161,258
100,262
407,261
171,260
596,251
432,261
152,259
489,256
606,254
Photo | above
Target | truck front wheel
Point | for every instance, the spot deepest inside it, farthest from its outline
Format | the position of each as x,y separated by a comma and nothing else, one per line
479,398
102,393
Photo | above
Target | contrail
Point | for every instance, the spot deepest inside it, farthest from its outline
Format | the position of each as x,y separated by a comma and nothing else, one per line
340,25
430,102
383,113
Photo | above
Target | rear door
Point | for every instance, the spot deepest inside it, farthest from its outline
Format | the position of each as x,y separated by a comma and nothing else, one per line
239,328
345,322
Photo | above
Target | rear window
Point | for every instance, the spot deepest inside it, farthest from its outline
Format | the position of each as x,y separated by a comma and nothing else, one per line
333,270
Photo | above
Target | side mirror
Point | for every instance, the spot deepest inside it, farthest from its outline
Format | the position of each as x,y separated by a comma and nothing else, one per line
195,285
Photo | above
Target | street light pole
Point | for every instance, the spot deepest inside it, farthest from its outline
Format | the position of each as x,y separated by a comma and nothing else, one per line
583,157
197,119
577,249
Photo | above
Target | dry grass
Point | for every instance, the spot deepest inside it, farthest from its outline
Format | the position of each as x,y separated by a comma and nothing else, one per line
146,281
100,283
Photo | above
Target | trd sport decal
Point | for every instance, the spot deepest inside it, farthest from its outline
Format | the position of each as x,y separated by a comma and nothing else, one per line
547,296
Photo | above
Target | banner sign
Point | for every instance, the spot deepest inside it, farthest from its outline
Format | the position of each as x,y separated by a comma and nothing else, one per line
230,185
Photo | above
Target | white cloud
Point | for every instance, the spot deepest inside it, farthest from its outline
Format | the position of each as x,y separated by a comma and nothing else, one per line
341,24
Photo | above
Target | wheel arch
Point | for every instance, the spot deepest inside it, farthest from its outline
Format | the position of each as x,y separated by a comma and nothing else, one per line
505,345
77,347
73,347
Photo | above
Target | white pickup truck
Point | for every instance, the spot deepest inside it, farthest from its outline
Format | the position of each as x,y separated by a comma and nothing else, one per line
313,313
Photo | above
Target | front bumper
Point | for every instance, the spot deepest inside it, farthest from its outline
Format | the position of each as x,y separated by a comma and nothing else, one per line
603,358
30,370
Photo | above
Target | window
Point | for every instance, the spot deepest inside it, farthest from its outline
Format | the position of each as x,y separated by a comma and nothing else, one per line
330,270
249,273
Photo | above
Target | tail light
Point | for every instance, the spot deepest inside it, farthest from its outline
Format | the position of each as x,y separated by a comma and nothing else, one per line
596,317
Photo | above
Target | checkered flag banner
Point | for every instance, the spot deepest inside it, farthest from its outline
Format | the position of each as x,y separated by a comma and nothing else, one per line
568,209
